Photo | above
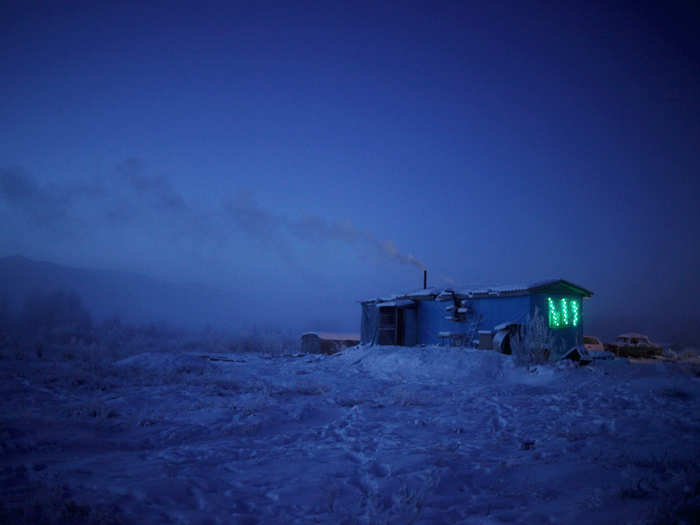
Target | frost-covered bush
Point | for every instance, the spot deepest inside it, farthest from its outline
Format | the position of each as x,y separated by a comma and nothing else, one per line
117,340
533,344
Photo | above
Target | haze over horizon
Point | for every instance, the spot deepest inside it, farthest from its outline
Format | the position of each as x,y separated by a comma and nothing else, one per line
315,155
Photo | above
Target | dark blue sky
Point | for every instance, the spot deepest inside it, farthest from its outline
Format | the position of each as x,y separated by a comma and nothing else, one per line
303,152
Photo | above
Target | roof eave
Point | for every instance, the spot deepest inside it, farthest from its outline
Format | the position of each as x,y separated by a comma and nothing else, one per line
580,290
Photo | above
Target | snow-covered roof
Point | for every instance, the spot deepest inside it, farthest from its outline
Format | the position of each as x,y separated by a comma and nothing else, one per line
493,290
401,303
423,293
487,291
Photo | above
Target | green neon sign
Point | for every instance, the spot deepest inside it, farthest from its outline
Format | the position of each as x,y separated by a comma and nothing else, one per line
563,313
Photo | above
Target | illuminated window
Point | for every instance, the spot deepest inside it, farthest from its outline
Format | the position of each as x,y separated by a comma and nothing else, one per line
563,313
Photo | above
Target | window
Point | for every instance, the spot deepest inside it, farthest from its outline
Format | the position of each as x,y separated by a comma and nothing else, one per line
564,312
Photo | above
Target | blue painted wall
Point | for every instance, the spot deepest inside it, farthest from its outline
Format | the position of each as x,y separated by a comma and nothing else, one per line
410,326
494,311
431,320
497,310
368,323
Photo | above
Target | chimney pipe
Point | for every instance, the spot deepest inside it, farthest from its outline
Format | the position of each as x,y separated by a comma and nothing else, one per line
425,279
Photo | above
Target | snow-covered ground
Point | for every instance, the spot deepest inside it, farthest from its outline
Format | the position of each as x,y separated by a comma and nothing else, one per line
371,435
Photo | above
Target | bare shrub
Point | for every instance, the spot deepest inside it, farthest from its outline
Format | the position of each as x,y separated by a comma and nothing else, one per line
533,344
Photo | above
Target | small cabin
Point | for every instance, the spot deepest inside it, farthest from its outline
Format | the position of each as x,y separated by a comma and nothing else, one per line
327,342
479,316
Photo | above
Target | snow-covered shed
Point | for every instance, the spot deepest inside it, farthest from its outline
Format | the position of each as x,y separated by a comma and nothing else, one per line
327,342
483,316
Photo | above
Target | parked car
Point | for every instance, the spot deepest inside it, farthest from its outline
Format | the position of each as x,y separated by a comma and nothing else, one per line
593,343
635,345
